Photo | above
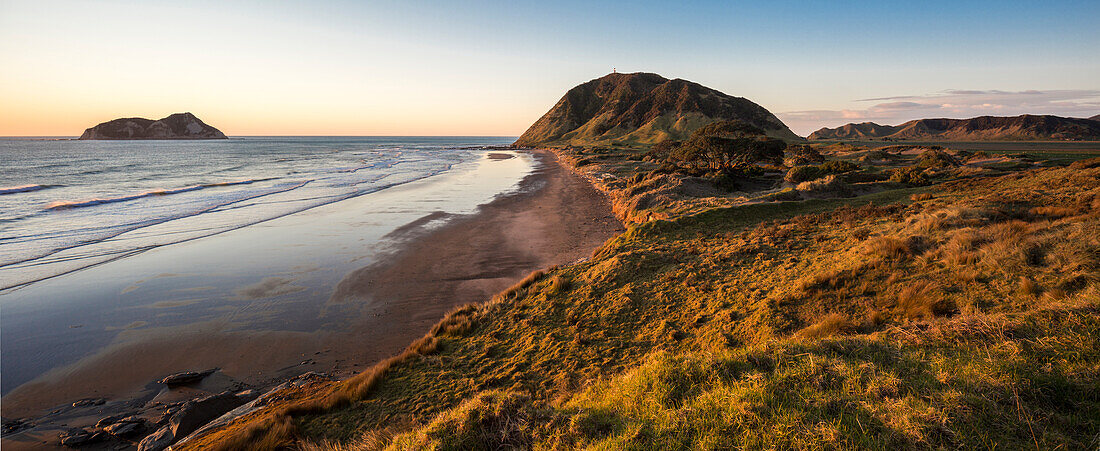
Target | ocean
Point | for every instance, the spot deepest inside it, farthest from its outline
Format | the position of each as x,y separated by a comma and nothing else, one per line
101,241
67,204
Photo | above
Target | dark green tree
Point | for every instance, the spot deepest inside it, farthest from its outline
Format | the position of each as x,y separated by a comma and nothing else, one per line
727,145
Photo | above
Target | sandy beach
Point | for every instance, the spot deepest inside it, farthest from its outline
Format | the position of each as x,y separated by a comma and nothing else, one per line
555,217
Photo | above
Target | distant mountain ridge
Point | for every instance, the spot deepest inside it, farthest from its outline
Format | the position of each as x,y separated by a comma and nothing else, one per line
642,108
982,128
175,126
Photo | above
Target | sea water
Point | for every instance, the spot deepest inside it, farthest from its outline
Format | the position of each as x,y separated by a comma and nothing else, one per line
101,237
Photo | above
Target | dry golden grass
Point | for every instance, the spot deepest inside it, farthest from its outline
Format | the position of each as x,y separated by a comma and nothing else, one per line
559,284
1028,287
888,247
831,324
924,299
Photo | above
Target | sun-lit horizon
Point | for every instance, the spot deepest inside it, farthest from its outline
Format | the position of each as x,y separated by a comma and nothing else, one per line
431,69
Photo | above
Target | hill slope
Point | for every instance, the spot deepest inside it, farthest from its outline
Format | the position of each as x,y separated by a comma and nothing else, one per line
642,108
176,126
982,128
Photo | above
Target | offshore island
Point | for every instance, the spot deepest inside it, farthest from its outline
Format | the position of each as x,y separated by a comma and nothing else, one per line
174,126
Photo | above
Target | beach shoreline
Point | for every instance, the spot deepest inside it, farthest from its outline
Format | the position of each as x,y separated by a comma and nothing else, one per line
555,217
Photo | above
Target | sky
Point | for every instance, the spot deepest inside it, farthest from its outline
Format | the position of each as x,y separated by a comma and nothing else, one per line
493,68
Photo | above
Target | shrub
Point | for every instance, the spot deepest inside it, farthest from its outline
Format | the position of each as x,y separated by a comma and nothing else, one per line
839,167
727,144
802,154
734,128
799,174
909,175
829,186
662,150
937,159
877,155
726,182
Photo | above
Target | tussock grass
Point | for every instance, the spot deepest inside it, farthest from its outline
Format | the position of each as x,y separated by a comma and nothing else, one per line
831,324
924,299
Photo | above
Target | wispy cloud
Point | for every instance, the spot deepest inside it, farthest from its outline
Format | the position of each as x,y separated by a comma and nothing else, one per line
954,103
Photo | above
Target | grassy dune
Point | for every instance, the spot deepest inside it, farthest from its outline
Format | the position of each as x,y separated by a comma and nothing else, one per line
963,315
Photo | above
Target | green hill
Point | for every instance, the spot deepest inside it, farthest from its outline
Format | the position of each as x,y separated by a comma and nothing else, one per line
642,108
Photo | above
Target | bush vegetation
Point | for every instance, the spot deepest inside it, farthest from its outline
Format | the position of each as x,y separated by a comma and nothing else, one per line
726,145
800,174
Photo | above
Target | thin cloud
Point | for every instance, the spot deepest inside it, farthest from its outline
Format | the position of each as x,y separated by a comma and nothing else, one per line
898,106
953,103
879,99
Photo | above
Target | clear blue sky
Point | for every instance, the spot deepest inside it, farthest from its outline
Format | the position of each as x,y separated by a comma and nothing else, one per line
476,68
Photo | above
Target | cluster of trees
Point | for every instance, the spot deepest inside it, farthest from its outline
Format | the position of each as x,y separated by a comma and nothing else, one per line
724,146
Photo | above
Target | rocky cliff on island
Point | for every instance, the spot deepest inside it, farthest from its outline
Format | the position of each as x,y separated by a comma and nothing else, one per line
176,126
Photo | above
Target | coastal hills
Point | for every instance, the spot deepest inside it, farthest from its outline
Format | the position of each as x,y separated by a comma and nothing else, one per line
983,128
175,126
642,108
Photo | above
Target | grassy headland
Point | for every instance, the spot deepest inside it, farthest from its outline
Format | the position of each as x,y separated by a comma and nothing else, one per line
914,298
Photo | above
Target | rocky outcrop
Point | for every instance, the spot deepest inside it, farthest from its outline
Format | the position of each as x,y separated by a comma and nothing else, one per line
642,108
176,126
191,416
260,402
982,128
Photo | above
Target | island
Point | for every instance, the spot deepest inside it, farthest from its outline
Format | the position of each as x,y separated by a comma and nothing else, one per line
176,126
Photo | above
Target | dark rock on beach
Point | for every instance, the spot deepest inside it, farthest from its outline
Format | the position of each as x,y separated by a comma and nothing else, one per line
185,378
125,427
79,437
12,426
107,421
89,402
